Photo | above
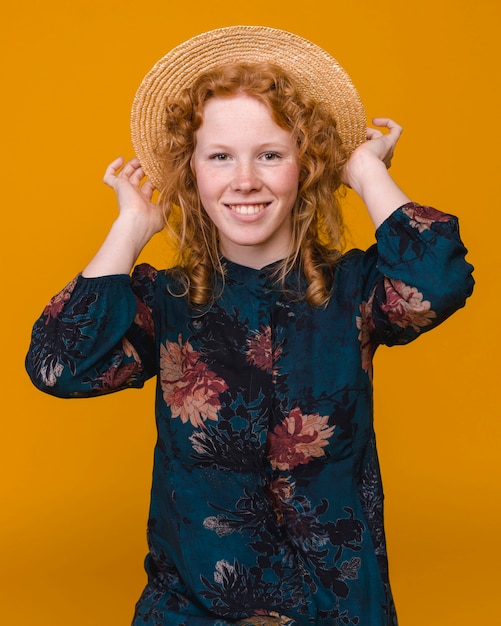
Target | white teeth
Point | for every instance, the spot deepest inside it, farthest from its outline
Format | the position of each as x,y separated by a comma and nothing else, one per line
247,209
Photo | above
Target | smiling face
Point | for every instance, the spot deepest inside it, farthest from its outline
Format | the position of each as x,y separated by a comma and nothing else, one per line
247,174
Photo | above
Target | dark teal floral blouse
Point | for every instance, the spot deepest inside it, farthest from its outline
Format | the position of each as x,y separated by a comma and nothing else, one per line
266,505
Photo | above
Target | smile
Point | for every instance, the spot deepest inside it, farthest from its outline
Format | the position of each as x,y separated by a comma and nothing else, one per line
248,209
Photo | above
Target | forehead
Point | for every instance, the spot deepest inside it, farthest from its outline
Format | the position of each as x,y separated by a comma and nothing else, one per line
234,103
240,112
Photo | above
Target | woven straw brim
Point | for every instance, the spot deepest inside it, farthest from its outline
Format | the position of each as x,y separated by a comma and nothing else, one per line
318,75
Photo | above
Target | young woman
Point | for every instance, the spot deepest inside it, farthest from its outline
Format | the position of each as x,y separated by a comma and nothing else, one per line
266,503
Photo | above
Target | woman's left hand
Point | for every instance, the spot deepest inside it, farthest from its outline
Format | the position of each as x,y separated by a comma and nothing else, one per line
383,144
379,147
366,171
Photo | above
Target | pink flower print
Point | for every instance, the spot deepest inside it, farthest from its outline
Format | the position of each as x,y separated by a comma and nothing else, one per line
189,387
129,350
405,306
422,217
264,617
280,490
260,351
56,304
117,376
365,325
298,439
144,318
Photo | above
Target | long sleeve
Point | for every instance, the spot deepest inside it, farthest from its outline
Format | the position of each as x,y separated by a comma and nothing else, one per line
422,277
96,336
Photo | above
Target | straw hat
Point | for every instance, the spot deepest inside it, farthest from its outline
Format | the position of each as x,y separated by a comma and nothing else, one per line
316,72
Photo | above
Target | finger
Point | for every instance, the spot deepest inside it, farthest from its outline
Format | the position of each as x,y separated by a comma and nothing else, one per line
137,176
130,168
373,133
115,165
147,190
112,170
387,122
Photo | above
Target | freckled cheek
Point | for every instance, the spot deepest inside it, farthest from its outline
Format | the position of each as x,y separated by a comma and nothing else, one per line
288,184
209,185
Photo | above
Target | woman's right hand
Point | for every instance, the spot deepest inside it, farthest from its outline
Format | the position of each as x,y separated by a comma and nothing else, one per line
139,219
134,194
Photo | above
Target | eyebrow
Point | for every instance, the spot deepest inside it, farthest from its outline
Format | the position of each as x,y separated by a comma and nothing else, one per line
269,145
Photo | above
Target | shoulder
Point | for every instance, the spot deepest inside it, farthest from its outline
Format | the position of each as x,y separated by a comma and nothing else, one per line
148,282
356,273
357,262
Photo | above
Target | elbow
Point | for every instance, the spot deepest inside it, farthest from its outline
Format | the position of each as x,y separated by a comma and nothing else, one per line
458,289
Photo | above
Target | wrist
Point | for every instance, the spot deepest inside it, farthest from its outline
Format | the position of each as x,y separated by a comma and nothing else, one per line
364,171
134,232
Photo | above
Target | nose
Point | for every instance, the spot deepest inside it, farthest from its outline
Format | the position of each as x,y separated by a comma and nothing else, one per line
246,177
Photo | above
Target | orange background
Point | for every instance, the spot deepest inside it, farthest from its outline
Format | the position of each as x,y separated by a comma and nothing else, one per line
75,474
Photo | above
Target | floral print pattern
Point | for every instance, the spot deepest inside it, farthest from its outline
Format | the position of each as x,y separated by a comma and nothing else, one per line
267,502
261,352
56,304
423,218
298,439
190,388
272,620
366,326
405,306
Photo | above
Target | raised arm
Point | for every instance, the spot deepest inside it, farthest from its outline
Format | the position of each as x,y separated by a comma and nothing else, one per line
366,171
138,220
97,335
